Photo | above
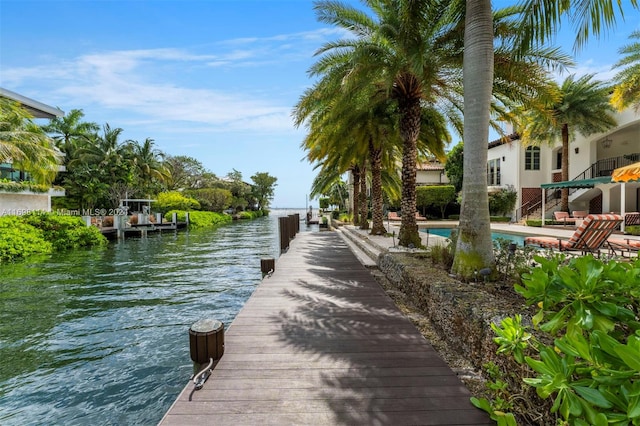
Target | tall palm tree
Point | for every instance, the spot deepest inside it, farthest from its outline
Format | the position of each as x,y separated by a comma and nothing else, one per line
409,51
25,145
148,164
627,90
540,20
111,157
70,131
580,105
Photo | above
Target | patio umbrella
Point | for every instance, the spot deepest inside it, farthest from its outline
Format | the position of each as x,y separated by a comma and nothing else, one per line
627,173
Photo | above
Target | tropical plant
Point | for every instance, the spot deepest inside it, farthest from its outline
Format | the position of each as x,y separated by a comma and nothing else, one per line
586,359
148,166
24,144
627,89
389,52
578,105
70,132
503,202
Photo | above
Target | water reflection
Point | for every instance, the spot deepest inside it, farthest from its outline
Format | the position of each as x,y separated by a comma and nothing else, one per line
100,336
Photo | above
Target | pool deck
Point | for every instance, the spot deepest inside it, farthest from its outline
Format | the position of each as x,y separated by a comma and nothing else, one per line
320,343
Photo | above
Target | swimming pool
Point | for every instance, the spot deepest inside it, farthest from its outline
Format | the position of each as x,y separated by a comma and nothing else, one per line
446,232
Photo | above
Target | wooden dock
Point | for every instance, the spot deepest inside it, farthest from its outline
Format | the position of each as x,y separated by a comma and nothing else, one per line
320,343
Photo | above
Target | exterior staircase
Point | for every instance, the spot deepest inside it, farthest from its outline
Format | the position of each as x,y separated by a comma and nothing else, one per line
602,167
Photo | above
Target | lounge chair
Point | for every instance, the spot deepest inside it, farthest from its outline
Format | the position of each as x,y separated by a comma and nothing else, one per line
564,218
579,214
419,217
393,216
590,237
624,244
632,218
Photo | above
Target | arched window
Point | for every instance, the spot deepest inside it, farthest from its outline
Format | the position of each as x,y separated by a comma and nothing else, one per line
532,158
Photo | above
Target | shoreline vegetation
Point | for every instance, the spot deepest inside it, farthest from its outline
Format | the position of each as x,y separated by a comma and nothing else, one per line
33,233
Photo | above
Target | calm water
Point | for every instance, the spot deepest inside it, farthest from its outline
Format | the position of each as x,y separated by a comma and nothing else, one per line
446,232
100,337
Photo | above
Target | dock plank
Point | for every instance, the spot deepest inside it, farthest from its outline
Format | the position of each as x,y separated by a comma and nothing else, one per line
320,343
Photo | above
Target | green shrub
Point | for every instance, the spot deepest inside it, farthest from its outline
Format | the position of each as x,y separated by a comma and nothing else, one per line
632,229
11,186
19,240
198,219
345,217
212,199
585,356
65,232
173,200
503,202
503,219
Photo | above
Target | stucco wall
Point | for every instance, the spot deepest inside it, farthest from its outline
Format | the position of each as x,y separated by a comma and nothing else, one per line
18,204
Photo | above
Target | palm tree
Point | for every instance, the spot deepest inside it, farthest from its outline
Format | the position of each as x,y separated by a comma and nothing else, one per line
25,145
70,130
110,156
540,19
579,105
627,90
409,51
148,164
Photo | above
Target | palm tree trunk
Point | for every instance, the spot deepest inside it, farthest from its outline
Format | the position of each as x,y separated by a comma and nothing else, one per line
364,210
356,193
564,200
409,130
474,249
375,158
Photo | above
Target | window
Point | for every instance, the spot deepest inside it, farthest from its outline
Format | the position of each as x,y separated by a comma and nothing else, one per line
493,172
532,158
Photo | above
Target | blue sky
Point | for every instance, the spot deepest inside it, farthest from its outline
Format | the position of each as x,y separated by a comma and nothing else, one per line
215,80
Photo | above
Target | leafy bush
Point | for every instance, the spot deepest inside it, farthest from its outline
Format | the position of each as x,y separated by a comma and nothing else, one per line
65,232
19,239
174,200
632,229
11,186
345,217
212,199
503,201
586,358
198,219
500,219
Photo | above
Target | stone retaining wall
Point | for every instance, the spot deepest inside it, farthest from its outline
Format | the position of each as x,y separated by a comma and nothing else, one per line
462,312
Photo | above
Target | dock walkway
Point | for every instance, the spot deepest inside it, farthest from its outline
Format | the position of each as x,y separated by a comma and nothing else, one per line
320,343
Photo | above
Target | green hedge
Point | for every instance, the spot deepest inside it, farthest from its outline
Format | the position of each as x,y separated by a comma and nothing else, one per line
632,229
11,186
491,218
199,219
42,233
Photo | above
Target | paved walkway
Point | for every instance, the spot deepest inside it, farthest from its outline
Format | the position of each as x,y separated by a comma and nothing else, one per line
320,343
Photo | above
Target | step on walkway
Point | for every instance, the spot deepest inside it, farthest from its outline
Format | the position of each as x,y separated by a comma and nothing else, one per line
320,343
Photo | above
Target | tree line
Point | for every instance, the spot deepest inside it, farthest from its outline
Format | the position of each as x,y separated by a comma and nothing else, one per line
101,168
